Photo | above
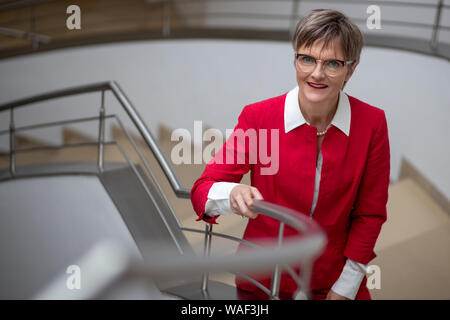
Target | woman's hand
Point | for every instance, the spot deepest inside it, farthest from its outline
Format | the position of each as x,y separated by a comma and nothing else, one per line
334,296
241,197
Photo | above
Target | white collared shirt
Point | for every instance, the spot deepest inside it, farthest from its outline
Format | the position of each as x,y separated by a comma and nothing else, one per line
219,194
293,117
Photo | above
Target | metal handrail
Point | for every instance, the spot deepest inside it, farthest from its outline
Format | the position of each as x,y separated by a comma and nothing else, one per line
297,249
128,107
309,243
309,229
241,241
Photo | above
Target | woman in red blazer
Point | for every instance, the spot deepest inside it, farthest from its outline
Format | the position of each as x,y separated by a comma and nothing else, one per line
330,159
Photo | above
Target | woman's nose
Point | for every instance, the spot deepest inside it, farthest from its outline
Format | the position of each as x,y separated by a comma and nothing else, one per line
318,71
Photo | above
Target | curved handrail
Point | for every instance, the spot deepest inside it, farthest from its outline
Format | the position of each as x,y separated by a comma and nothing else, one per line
311,238
118,265
299,248
54,94
128,107
298,221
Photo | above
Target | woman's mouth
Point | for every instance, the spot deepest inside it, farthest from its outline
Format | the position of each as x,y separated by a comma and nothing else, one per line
317,85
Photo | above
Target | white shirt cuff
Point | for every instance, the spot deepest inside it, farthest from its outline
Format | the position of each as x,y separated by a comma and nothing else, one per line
350,279
219,199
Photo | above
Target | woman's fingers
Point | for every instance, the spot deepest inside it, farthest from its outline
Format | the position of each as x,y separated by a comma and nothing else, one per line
242,208
256,193
241,198
235,205
248,198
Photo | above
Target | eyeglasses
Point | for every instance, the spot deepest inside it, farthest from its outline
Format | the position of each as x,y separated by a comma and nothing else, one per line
331,67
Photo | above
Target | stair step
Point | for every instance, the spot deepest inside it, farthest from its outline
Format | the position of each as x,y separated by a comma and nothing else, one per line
412,248
411,212
417,268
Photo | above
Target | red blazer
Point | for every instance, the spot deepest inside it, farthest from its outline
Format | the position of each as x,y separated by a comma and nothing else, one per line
351,206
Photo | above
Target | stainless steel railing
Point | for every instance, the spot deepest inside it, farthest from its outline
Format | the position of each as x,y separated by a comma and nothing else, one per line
127,106
303,248
300,249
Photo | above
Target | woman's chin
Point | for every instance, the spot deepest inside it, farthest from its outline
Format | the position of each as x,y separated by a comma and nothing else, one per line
315,97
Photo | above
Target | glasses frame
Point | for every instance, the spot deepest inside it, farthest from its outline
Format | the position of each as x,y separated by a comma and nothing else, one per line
343,63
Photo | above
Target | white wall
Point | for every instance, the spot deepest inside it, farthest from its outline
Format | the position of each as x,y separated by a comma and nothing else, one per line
177,82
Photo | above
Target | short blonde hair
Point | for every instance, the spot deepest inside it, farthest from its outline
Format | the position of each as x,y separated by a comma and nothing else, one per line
329,25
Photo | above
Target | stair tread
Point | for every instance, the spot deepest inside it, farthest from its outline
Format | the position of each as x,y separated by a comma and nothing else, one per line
411,212
416,268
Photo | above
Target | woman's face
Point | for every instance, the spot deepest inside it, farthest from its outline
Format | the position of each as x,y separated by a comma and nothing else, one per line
330,85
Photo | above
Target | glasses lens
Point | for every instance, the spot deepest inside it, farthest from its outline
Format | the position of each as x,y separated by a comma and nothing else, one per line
332,67
306,63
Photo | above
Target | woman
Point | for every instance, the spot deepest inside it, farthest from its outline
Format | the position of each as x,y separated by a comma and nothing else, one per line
333,161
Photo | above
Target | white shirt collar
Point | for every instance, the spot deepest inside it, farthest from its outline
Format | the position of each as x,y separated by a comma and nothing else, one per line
293,117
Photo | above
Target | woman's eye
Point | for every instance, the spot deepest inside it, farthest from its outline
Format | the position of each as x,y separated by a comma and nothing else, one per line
307,59
333,64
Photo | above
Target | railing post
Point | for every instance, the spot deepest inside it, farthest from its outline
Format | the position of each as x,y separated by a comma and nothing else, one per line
303,290
276,275
12,144
166,19
293,19
101,133
206,252
437,21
